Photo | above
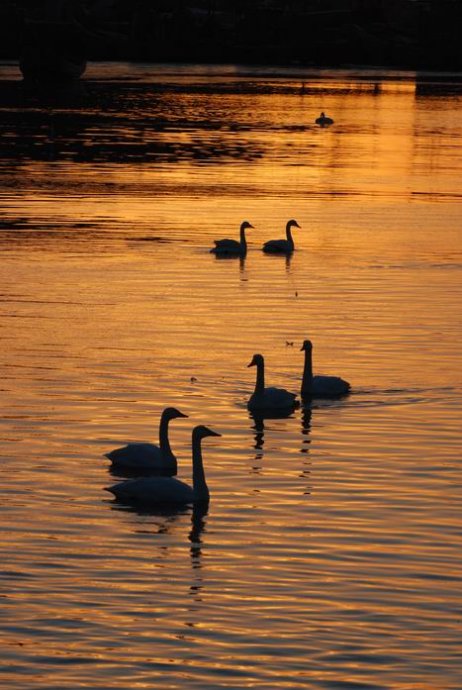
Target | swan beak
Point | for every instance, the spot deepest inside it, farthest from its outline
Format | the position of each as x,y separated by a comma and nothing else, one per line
252,364
213,433
183,415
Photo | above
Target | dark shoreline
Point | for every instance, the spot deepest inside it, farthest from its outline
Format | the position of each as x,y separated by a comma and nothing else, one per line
418,35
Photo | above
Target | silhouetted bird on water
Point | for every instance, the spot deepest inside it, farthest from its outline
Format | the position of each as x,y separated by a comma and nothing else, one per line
323,120
320,386
228,247
148,456
286,246
270,399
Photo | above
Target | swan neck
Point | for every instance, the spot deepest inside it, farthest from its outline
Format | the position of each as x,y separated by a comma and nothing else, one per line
198,475
290,239
164,443
260,382
242,238
307,379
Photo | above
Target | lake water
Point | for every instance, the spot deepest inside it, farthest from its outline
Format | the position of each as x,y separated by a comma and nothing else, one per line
329,557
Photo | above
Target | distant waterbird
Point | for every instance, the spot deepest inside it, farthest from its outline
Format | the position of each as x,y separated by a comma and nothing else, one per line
149,456
168,490
286,246
320,386
324,121
230,247
271,398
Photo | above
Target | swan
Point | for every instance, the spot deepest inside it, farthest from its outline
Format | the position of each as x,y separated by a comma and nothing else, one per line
148,456
323,120
234,247
320,386
282,246
268,398
169,489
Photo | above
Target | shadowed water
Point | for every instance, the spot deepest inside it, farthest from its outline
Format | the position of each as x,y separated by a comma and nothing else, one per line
329,556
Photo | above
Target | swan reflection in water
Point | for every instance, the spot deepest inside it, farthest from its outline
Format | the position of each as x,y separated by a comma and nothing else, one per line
198,523
240,258
258,427
163,518
307,413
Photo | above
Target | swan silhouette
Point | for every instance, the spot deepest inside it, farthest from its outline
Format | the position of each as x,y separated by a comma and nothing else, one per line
323,120
229,247
282,246
271,399
152,490
320,386
148,456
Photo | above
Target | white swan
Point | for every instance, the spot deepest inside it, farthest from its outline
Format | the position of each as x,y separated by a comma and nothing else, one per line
234,247
323,120
282,246
320,386
151,490
148,456
268,398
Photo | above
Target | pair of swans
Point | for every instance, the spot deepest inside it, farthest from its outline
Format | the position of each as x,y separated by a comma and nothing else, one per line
161,489
279,399
229,247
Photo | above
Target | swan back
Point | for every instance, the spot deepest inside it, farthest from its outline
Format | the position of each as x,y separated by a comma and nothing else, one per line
272,398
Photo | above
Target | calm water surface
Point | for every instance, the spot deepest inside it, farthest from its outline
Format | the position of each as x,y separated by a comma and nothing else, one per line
329,557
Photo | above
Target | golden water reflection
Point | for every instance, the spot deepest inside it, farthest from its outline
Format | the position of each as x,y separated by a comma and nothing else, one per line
333,530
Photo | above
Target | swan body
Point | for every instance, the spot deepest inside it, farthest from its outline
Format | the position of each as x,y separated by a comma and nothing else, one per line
151,490
320,386
228,247
323,120
286,246
148,456
271,398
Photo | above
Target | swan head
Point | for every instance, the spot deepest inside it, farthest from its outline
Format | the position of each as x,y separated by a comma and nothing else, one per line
204,431
246,225
292,224
307,345
256,361
173,413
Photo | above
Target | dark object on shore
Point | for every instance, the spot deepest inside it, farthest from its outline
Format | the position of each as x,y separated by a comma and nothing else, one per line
53,52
